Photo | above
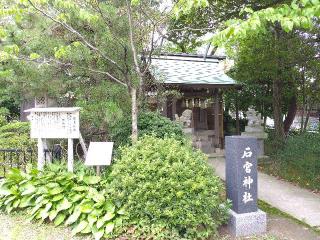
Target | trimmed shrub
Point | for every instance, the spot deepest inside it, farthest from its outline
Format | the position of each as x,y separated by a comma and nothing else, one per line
168,190
148,123
80,201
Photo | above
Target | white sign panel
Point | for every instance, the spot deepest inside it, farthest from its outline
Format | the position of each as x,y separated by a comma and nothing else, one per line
99,154
54,122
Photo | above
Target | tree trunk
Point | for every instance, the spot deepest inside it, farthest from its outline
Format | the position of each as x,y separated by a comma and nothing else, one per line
277,112
237,117
134,114
291,114
277,89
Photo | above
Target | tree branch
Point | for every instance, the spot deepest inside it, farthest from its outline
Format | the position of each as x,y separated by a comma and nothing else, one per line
133,48
48,61
79,35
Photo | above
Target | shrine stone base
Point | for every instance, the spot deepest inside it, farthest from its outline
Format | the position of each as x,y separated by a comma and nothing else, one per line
247,224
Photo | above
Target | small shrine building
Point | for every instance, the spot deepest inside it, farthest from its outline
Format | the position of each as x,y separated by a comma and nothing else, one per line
201,81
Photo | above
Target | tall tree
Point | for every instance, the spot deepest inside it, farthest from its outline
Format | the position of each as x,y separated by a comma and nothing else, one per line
280,19
110,40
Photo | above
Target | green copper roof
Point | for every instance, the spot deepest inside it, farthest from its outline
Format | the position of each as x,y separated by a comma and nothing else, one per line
189,70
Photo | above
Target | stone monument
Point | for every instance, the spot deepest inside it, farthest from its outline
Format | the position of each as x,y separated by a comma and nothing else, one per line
255,129
242,186
185,120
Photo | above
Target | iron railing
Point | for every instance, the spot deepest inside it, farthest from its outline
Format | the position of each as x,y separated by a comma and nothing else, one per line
19,158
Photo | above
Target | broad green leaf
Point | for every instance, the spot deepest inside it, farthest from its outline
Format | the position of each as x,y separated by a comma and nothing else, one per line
92,219
73,218
81,226
97,233
57,197
80,188
55,191
9,208
53,214
29,189
16,203
99,198
4,191
59,219
109,228
45,212
26,201
91,179
65,204
9,199
100,222
87,229
76,197
108,216
110,207
121,211
86,208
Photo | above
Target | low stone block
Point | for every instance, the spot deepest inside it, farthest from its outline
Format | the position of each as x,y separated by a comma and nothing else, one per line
246,224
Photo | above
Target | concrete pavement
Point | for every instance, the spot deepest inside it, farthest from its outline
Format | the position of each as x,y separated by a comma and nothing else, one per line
299,203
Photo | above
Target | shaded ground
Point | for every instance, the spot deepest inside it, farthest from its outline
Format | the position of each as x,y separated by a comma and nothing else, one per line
15,227
280,228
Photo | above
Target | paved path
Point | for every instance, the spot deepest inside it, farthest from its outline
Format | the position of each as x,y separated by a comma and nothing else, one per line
299,203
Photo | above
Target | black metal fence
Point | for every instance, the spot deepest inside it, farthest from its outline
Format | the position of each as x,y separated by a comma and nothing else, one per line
18,158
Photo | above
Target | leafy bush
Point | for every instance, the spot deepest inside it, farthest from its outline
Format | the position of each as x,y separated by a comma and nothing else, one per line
56,195
168,190
148,123
16,135
298,160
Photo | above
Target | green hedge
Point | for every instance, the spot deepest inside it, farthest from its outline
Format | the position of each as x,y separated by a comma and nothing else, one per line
168,190
148,123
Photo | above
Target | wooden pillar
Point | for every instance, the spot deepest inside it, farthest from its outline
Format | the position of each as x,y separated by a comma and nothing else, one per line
41,159
216,108
222,142
70,154
174,109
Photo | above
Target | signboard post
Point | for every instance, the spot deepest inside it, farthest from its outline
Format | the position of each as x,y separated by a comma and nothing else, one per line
99,154
54,123
242,186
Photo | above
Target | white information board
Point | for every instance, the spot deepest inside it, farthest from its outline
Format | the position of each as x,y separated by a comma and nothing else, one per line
54,122
99,154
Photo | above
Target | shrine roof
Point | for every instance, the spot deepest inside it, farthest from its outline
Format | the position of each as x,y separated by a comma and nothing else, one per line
190,70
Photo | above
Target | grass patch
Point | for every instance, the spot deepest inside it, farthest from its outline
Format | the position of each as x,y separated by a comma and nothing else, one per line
298,161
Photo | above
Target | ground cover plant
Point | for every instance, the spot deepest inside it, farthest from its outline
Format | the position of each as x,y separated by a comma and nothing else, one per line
297,161
55,195
168,190
156,189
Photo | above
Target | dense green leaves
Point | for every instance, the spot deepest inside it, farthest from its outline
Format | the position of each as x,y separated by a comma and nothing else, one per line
148,123
298,14
168,190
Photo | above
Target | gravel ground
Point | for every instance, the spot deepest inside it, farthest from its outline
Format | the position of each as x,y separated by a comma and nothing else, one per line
16,227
